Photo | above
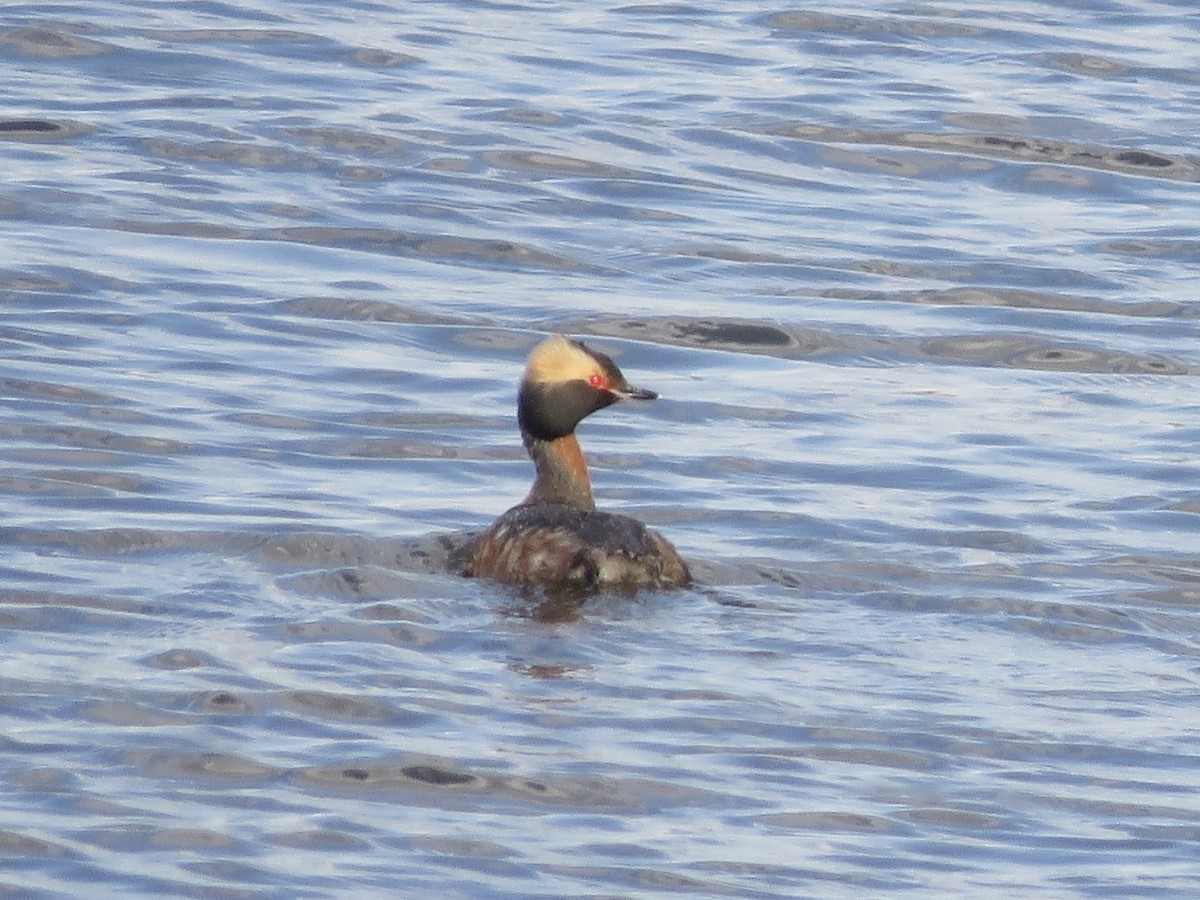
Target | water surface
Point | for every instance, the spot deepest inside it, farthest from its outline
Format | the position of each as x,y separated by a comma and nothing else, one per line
917,287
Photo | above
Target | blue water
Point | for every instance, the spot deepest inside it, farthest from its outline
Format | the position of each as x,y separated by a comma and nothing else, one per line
917,287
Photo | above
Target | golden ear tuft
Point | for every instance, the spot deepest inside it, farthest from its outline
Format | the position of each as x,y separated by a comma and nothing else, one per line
558,358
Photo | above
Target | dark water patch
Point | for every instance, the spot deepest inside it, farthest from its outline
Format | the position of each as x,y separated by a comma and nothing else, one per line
208,767
38,130
247,154
225,703
389,612
887,27
345,140
811,580
618,209
1068,622
387,448
35,282
125,714
889,162
955,819
745,334
383,633
14,845
54,391
470,853
743,255
633,880
12,210
428,554
1010,608
1128,161
833,821
320,840
993,349
204,230
103,482
249,36
734,335
363,311
358,583
1087,64
273,422
974,273
179,659
148,838
55,619
372,58
416,783
985,539
1030,352
82,437
446,422
53,40
523,116
1156,248
968,271
854,753
438,780
437,776
442,247
76,602
553,164
336,706
1188,505
117,542
1180,571
1017,298
668,11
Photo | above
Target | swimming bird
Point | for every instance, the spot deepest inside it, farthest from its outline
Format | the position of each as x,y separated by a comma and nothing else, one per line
556,538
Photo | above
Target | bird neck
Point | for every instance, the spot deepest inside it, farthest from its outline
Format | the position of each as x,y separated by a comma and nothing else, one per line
562,472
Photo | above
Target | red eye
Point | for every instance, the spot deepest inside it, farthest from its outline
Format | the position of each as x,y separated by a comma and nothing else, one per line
597,380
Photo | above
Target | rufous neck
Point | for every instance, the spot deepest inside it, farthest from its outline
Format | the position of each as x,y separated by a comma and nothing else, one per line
562,472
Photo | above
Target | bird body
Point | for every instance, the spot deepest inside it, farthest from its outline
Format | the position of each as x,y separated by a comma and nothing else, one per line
556,538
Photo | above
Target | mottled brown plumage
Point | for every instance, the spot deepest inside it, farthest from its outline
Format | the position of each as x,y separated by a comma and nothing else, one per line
555,538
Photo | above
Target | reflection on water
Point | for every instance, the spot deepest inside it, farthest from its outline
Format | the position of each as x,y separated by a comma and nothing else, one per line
917,288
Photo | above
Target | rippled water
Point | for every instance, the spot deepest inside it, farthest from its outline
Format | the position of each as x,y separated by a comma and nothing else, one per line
917,285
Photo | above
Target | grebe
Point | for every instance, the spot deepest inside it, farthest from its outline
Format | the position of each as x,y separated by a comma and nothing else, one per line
555,538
